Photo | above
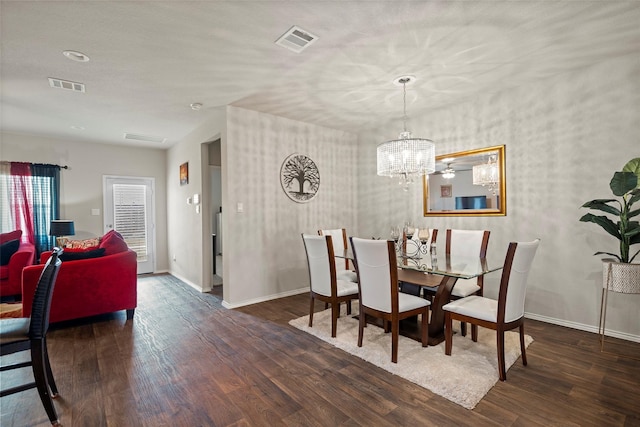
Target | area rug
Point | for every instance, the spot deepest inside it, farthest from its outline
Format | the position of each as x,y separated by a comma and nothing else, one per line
10,310
464,377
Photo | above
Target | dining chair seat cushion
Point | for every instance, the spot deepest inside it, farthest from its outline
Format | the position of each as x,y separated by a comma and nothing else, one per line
407,302
465,287
343,287
14,330
475,306
349,276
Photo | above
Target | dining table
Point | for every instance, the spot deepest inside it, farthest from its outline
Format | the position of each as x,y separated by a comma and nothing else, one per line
438,273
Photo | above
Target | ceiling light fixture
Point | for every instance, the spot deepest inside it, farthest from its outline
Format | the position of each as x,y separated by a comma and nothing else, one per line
195,106
406,157
448,173
76,56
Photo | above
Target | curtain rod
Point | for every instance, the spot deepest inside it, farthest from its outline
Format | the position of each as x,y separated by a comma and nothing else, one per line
43,164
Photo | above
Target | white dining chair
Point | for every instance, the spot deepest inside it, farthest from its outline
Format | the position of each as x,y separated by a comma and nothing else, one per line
503,314
340,244
377,270
325,286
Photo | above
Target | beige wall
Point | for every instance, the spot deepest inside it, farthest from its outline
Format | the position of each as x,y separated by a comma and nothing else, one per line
81,184
564,139
263,252
189,231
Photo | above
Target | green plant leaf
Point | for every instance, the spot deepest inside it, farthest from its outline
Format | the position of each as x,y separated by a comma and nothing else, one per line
633,165
604,222
634,256
601,205
609,253
635,196
623,182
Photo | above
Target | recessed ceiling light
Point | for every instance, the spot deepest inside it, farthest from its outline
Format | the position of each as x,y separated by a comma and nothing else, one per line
195,106
76,56
74,127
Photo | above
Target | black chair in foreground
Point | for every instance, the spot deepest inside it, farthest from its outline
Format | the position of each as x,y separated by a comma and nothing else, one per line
22,334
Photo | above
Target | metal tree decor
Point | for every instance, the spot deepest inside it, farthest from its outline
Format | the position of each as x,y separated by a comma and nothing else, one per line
300,178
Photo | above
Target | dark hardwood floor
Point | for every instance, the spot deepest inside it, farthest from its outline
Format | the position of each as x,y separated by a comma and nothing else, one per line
186,361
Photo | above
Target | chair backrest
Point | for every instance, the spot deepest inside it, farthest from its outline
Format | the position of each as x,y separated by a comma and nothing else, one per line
322,272
39,321
377,273
467,243
339,237
513,284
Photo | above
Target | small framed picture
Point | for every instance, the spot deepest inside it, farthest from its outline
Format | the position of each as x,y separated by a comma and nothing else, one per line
445,191
184,173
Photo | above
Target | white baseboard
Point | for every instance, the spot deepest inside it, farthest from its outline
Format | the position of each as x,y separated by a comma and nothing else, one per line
266,298
582,327
193,285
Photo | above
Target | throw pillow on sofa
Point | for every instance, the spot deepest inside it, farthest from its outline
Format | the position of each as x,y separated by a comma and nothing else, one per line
113,243
7,250
86,244
12,235
76,255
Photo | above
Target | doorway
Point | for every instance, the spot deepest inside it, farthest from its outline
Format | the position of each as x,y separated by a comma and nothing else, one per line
215,209
128,208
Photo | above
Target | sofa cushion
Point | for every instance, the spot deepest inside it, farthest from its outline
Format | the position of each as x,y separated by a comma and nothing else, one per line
12,235
113,243
7,250
74,256
86,244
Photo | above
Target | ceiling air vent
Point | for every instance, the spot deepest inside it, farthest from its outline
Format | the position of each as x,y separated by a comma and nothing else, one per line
296,39
144,138
65,84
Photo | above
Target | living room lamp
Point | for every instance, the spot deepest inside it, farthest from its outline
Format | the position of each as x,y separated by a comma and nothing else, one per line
61,228
406,157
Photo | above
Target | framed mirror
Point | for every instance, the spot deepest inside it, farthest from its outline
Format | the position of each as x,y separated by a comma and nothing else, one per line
468,183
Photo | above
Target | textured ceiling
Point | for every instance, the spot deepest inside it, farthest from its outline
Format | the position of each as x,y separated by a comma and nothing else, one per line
151,59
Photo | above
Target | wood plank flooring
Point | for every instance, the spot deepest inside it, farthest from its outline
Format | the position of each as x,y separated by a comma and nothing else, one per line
186,361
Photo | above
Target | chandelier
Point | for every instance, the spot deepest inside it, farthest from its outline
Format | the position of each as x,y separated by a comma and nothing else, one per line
487,174
406,157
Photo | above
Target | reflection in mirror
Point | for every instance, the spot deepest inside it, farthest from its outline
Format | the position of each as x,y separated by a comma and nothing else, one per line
467,183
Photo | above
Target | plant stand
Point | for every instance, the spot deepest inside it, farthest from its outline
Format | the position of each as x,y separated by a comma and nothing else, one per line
616,277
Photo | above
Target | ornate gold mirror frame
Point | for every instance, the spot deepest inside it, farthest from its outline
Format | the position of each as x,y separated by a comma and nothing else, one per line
477,187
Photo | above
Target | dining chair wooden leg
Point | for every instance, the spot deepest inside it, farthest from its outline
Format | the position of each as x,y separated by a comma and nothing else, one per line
523,350
500,345
361,325
463,329
425,329
349,307
311,307
395,331
40,376
335,312
474,333
448,333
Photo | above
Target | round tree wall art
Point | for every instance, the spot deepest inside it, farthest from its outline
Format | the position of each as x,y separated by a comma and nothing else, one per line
300,178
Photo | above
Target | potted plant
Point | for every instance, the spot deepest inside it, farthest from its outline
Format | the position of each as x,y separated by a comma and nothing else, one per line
625,184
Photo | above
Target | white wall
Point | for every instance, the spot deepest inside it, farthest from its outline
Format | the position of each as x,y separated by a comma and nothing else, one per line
189,232
81,184
564,139
263,251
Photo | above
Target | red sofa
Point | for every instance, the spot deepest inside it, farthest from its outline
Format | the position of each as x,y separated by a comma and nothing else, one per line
87,287
11,274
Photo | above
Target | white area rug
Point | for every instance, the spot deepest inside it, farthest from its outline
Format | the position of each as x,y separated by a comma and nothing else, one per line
464,377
